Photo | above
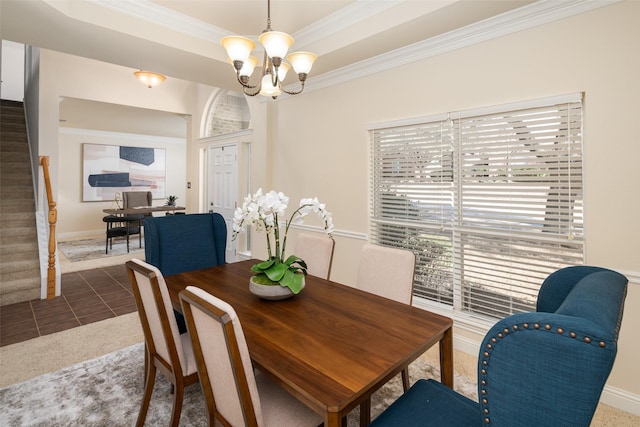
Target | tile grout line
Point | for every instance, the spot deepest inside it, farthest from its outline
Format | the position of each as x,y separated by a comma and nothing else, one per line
98,294
35,318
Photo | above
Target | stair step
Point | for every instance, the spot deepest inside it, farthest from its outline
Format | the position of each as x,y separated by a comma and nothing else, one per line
18,250
20,255
11,145
20,157
9,117
12,219
20,290
10,234
16,207
9,190
14,137
18,270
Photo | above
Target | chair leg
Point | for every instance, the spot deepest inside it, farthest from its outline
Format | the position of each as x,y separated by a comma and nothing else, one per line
178,396
150,379
106,242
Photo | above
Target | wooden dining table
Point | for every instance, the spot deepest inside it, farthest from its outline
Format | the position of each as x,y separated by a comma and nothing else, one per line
331,346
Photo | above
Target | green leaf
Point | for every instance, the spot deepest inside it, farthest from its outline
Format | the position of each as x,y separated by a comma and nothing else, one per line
264,264
293,281
291,260
276,272
301,265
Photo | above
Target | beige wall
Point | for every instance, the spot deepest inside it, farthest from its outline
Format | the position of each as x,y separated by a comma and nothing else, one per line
65,75
320,142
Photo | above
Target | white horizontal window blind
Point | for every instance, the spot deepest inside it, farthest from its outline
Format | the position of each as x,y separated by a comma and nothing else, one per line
489,201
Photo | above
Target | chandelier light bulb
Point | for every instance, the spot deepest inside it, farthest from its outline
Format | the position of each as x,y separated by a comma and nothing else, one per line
247,66
276,43
302,61
268,89
282,71
238,48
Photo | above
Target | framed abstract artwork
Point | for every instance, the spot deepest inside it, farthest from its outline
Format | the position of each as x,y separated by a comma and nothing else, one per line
111,169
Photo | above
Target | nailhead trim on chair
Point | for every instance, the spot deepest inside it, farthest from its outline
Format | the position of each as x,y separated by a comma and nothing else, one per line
490,346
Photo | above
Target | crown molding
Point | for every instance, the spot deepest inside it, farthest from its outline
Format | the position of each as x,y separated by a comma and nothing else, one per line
342,19
120,135
164,17
533,15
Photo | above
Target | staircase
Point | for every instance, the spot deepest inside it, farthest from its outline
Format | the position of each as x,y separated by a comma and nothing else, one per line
19,261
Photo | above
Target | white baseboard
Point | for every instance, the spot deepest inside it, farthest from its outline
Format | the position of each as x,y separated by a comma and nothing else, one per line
74,235
621,399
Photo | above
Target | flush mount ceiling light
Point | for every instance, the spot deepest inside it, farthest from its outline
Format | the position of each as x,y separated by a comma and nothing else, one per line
149,78
274,69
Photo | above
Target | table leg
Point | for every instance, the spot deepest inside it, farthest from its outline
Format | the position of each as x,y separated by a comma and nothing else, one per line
365,413
332,419
446,358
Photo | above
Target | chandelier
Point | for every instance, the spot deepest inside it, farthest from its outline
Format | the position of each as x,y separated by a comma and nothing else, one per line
274,69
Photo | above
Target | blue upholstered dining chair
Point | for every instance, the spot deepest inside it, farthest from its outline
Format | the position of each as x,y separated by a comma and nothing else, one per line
179,243
542,368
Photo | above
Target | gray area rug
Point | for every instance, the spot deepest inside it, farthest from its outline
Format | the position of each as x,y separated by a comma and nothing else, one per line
107,391
88,249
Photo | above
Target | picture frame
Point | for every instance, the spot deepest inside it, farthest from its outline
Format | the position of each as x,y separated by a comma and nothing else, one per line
111,169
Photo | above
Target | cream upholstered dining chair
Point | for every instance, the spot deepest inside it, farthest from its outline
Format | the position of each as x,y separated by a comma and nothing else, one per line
165,349
317,252
388,272
235,395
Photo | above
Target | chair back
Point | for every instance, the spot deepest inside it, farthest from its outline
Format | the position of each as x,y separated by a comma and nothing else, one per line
549,367
387,272
132,199
180,243
223,360
317,252
156,315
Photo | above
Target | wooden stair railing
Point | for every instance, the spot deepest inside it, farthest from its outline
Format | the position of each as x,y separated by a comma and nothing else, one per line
53,218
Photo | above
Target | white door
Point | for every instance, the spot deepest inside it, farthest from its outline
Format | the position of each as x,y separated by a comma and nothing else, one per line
223,188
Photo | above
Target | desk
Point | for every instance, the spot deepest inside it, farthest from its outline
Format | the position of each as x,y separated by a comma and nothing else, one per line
331,346
143,210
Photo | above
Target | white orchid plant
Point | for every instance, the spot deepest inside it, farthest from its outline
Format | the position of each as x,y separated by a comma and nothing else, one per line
264,211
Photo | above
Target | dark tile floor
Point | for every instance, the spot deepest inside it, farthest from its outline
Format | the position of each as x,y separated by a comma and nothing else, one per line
87,297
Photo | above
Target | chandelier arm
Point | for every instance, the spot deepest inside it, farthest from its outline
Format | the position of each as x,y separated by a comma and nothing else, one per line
244,90
293,92
245,84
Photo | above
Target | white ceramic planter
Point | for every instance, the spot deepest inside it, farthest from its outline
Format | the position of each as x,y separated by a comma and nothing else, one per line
271,292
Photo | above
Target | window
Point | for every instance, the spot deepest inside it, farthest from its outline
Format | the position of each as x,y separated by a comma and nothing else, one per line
489,200
228,112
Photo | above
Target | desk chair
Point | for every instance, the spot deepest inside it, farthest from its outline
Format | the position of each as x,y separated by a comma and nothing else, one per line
122,226
542,368
235,396
132,199
316,251
166,349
